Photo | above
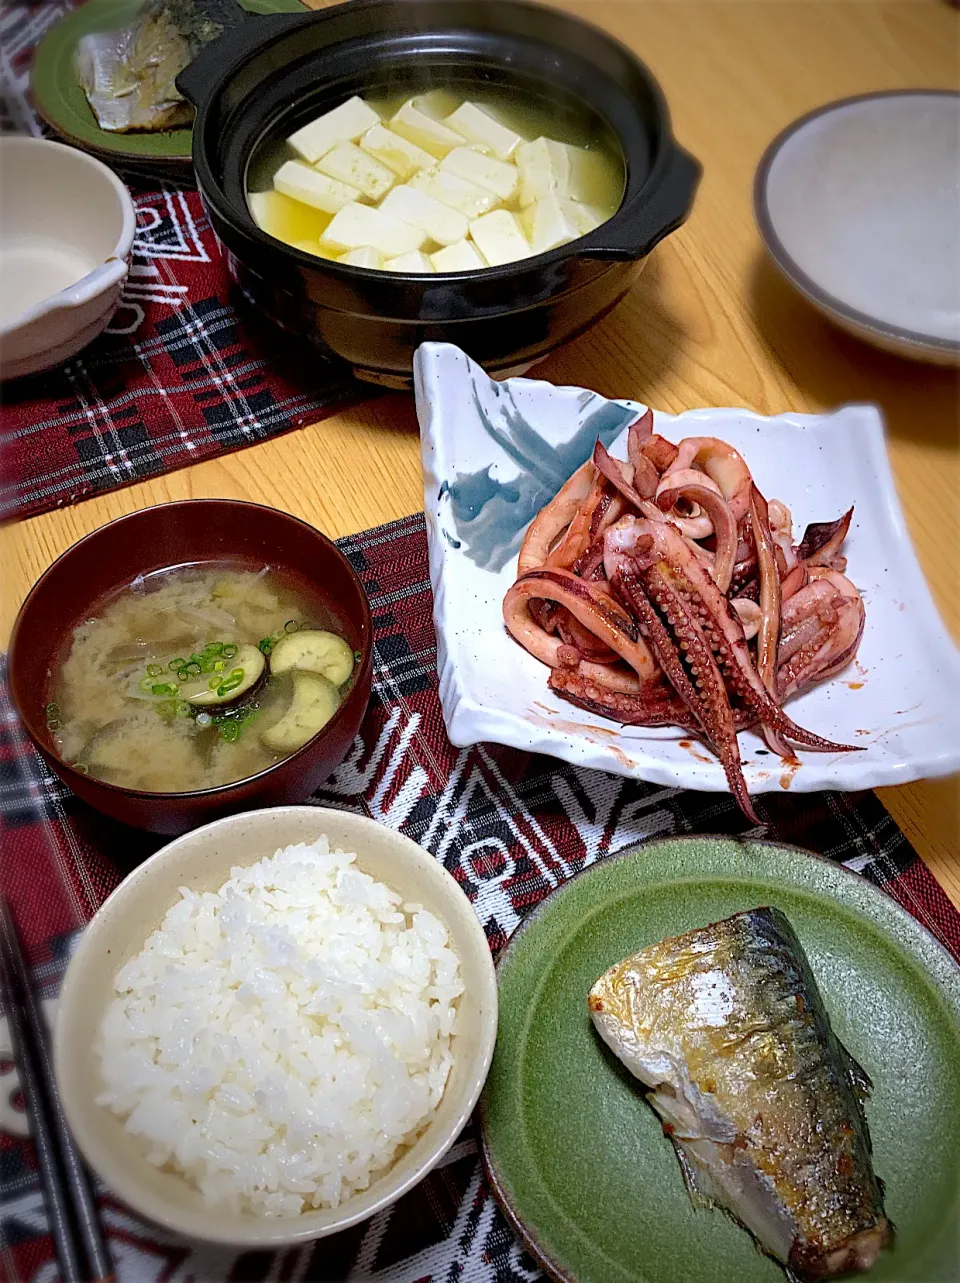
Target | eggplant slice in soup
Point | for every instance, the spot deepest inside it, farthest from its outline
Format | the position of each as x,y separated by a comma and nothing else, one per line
246,670
313,650
315,700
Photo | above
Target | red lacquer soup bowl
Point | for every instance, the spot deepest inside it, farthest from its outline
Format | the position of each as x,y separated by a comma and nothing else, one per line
167,536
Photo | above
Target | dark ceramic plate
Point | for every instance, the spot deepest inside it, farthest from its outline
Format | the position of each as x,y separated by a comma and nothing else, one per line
61,102
576,1155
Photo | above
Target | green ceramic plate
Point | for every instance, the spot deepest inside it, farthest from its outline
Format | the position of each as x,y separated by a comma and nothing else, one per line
577,1156
60,101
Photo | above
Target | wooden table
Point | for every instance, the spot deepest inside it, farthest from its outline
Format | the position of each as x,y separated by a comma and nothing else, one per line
710,323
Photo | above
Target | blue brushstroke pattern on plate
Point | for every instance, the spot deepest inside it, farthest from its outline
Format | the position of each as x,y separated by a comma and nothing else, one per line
491,516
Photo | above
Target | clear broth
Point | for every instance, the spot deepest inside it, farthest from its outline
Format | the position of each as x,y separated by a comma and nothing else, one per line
103,724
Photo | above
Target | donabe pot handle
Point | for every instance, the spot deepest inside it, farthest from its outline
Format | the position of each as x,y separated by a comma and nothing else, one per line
634,232
219,59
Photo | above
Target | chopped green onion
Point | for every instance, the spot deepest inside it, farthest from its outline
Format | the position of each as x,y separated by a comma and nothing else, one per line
265,644
213,648
165,688
229,731
231,683
357,656
154,670
54,721
176,664
183,708
214,682
167,708
229,650
219,665
81,769
291,626
192,669
146,685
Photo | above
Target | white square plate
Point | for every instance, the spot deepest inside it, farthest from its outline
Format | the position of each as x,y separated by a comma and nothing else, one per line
495,453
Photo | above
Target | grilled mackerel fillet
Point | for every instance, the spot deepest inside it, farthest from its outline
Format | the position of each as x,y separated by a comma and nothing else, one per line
726,1027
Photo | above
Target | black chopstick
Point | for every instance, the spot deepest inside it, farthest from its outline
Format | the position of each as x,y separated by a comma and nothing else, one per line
70,1202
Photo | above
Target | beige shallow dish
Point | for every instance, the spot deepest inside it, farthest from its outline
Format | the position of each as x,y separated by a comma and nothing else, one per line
202,861
67,225
858,204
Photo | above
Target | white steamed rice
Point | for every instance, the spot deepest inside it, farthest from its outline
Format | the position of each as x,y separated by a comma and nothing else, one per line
279,1041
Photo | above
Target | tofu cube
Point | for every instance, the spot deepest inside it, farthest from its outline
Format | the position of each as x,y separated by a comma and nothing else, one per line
479,126
572,173
356,226
439,222
399,154
348,163
458,193
484,171
365,256
499,237
437,103
415,262
546,224
414,124
544,167
302,182
344,124
288,220
593,178
583,217
462,257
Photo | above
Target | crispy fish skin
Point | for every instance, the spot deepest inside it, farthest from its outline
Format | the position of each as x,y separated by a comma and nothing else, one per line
726,1027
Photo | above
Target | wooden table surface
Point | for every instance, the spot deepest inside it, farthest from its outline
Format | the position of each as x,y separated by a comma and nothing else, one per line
710,323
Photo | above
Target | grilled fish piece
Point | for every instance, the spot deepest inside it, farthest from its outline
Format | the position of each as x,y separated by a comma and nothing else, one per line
726,1027
129,74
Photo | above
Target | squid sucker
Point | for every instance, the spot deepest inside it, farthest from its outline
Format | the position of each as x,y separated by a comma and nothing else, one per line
666,590
726,1028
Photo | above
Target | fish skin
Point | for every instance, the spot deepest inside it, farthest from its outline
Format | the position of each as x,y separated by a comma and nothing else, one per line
128,75
726,1027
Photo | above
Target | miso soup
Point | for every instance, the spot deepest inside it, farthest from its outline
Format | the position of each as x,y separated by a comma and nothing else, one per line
197,676
447,180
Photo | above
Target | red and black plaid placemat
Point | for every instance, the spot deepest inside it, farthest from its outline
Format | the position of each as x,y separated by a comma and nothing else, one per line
180,374
509,826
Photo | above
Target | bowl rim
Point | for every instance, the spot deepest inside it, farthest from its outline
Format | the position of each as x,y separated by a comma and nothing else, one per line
670,157
267,1232
106,274
218,790
801,280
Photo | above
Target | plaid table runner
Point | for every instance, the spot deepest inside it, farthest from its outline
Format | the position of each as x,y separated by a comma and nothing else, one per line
179,376
509,826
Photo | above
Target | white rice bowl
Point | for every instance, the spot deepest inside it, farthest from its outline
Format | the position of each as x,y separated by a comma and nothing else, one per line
281,1041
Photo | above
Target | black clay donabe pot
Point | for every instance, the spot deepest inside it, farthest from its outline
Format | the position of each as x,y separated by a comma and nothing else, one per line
276,72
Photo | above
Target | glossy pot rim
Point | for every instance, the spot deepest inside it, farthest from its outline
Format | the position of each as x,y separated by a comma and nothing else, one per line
672,165
218,792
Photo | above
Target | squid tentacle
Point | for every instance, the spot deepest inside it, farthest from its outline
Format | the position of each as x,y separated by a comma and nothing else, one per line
689,665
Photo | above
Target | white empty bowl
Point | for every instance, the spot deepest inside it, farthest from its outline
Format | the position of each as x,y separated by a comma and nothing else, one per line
66,233
202,861
859,206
